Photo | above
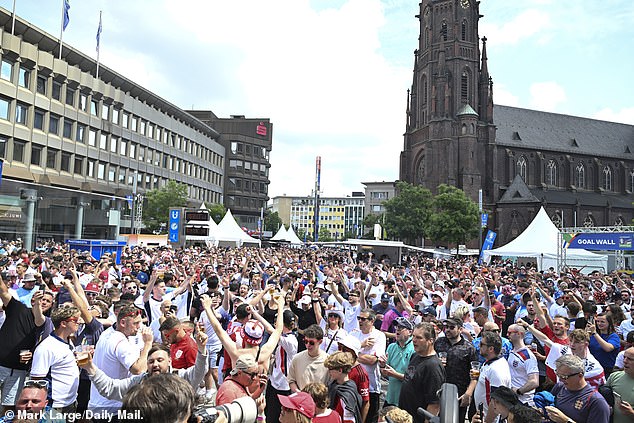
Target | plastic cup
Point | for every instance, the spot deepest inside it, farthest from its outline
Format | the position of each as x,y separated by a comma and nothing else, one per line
443,358
475,369
82,354
25,355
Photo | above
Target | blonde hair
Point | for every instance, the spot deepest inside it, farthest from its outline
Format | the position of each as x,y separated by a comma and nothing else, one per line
319,392
579,335
399,416
340,361
461,312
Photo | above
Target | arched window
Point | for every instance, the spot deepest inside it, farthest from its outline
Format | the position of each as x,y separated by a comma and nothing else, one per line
588,222
424,78
420,172
580,176
464,87
426,37
464,30
551,173
443,30
607,178
521,168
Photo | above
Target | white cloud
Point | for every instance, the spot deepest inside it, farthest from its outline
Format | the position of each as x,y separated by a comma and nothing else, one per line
623,116
513,31
502,95
546,96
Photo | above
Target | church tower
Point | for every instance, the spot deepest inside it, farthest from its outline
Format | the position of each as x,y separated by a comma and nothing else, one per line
449,107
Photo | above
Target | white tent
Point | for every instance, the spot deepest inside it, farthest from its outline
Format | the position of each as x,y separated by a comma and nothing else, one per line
212,226
292,237
280,235
230,233
539,241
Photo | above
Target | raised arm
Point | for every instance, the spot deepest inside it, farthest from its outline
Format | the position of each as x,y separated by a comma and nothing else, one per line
37,308
4,292
538,334
335,292
271,344
404,302
148,289
79,300
227,342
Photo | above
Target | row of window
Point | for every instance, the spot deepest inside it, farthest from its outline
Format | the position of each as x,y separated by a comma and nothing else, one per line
588,221
321,217
253,167
580,177
61,160
246,202
249,150
45,85
237,184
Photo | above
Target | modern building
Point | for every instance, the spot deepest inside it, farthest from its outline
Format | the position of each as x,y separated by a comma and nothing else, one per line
248,143
376,193
76,147
341,216
581,170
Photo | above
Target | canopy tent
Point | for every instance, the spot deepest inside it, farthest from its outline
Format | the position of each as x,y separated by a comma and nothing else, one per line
280,235
540,240
212,226
229,233
292,237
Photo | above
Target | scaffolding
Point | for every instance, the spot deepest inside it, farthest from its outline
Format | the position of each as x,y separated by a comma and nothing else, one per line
619,254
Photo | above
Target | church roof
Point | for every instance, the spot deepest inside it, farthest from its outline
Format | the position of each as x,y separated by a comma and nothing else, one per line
466,110
533,129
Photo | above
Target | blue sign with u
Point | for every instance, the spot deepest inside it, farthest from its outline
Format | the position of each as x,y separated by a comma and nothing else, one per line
174,225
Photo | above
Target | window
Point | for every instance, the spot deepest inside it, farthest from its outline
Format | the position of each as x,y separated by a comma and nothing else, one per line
112,173
38,119
631,181
90,170
101,170
36,155
234,147
121,179
79,134
443,30
20,113
51,158
132,152
68,128
70,96
150,131
135,122
122,147
23,77
464,30
83,102
79,165
115,116
4,108
464,87
607,178
551,173
141,153
142,131
94,106
103,142
5,70
53,124
580,176
18,151
65,163
105,111
3,147
41,84
521,169
56,93
124,122
92,138
113,144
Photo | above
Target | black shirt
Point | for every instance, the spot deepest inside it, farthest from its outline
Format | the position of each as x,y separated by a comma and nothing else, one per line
423,378
459,358
18,332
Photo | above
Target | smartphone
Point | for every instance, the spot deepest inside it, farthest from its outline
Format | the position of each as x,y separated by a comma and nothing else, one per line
43,287
481,411
173,309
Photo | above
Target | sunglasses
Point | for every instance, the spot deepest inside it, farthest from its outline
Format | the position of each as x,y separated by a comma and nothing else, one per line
363,319
310,342
333,316
566,377
36,383
251,375
452,327
72,319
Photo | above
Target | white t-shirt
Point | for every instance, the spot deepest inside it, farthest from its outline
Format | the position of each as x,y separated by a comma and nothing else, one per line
626,327
522,363
155,305
114,354
284,353
494,373
350,314
593,374
54,354
378,350
328,336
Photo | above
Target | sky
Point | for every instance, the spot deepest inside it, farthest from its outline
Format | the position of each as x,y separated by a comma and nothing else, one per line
332,75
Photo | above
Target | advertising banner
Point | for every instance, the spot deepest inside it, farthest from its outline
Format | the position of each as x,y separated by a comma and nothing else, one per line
609,241
174,226
488,243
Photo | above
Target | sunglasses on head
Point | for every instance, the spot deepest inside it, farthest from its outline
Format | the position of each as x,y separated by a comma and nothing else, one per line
36,383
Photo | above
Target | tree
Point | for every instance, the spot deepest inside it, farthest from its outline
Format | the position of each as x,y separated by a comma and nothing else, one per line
272,221
371,219
301,234
216,211
324,234
159,201
455,217
407,213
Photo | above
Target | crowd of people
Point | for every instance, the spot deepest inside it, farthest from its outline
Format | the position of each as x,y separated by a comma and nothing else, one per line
308,335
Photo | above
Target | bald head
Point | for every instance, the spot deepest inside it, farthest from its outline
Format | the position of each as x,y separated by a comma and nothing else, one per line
490,326
517,328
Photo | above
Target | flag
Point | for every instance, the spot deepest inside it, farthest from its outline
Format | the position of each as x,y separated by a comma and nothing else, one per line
1,170
66,15
98,32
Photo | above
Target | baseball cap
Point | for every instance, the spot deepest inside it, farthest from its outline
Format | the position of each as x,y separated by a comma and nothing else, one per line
244,362
300,401
404,323
428,310
385,297
289,317
252,332
454,321
558,295
304,300
93,288
352,343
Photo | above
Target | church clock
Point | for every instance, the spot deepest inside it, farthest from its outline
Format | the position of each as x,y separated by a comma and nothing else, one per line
465,3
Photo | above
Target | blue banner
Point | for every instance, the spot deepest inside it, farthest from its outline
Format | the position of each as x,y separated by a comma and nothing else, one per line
485,219
609,241
488,243
174,226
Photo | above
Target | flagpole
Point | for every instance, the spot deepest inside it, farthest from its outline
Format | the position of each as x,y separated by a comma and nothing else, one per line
98,42
13,19
61,31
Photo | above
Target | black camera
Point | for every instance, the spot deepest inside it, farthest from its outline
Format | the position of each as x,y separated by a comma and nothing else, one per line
4,261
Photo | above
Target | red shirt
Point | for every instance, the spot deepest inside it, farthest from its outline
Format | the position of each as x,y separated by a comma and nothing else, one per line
230,390
546,330
183,353
359,376
329,416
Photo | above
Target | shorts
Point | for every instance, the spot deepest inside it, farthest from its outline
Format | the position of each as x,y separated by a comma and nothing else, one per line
213,356
11,382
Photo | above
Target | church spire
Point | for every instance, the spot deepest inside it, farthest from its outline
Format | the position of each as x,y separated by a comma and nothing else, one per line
484,68
485,104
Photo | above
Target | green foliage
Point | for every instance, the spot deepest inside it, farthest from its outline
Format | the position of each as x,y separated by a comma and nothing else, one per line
272,221
455,217
324,234
349,235
301,233
370,219
159,201
216,211
407,214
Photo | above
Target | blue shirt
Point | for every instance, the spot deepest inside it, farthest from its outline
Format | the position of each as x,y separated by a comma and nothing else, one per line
507,347
606,359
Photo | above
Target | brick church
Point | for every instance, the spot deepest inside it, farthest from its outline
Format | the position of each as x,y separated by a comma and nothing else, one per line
581,170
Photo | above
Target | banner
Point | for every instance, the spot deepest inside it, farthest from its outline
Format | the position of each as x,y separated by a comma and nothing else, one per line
174,226
609,241
487,244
